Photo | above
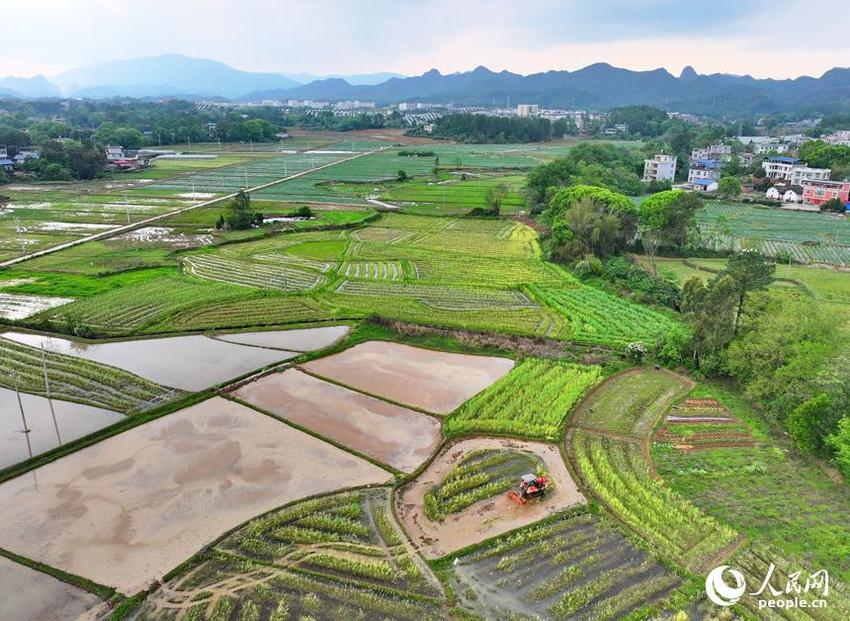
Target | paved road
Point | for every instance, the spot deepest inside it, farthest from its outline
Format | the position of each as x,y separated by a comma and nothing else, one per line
142,223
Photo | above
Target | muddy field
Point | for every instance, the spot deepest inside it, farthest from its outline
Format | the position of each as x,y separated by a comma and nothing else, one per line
187,362
486,518
72,421
434,381
387,432
308,339
127,510
30,595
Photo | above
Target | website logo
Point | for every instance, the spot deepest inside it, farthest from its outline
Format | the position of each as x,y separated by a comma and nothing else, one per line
719,591
799,590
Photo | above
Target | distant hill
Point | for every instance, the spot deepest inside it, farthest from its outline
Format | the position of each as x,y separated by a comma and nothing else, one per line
37,86
599,87
596,87
166,75
355,79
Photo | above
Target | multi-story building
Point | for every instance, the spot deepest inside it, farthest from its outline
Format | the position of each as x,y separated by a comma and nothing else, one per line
793,171
527,110
712,152
799,174
114,154
818,192
660,168
705,168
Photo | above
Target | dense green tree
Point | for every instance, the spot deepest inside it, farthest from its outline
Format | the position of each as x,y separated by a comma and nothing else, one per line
839,442
804,423
593,231
835,205
239,215
729,187
655,216
751,271
709,311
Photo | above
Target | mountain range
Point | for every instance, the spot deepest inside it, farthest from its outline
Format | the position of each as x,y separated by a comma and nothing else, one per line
597,87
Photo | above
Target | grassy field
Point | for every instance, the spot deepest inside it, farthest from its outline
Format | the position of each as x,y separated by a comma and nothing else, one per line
765,491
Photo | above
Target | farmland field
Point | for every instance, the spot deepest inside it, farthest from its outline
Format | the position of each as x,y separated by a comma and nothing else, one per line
72,421
384,431
573,566
336,557
136,490
743,486
532,400
806,237
434,381
492,514
29,595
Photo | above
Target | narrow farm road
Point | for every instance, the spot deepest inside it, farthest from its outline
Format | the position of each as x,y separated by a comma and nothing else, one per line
145,222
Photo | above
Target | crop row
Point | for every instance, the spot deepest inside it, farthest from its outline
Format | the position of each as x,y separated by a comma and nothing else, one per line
477,476
373,270
255,311
76,379
282,277
599,317
617,475
532,400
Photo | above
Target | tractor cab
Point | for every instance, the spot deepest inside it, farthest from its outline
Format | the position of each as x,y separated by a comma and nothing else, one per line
530,487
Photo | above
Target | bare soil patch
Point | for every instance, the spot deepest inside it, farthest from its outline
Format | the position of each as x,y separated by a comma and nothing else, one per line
29,595
387,432
127,510
487,518
434,381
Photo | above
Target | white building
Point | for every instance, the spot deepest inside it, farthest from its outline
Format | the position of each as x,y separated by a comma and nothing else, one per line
800,174
114,153
660,168
712,152
785,193
527,110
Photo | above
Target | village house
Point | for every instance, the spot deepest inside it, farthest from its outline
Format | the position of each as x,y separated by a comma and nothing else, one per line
704,184
712,152
818,192
705,168
793,171
660,168
785,193
841,137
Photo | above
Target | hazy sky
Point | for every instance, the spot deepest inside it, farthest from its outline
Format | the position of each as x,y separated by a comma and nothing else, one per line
778,38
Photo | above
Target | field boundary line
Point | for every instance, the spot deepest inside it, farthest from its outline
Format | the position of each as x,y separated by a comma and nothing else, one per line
144,222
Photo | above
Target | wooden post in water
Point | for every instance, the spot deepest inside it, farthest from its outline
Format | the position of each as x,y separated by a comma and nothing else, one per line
47,393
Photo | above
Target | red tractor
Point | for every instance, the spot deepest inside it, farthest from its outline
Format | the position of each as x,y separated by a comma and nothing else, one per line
530,487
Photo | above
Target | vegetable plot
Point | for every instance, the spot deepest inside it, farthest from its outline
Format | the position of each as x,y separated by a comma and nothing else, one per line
531,401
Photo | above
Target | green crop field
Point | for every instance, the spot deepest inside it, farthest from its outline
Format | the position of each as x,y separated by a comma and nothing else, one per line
806,237
531,401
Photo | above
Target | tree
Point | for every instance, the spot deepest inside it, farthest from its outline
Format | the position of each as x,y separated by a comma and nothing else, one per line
402,176
751,271
709,309
593,231
839,442
834,204
654,217
239,215
804,423
682,219
729,187
494,196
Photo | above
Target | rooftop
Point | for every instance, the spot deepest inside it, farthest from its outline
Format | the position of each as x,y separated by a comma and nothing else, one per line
784,159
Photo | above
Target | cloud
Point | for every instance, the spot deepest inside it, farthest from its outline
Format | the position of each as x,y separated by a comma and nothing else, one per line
411,36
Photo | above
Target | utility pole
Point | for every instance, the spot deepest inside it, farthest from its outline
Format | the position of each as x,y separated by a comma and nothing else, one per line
47,393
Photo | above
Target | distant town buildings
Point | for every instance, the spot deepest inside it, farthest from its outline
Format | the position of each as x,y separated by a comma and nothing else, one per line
660,168
840,138
527,110
793,171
